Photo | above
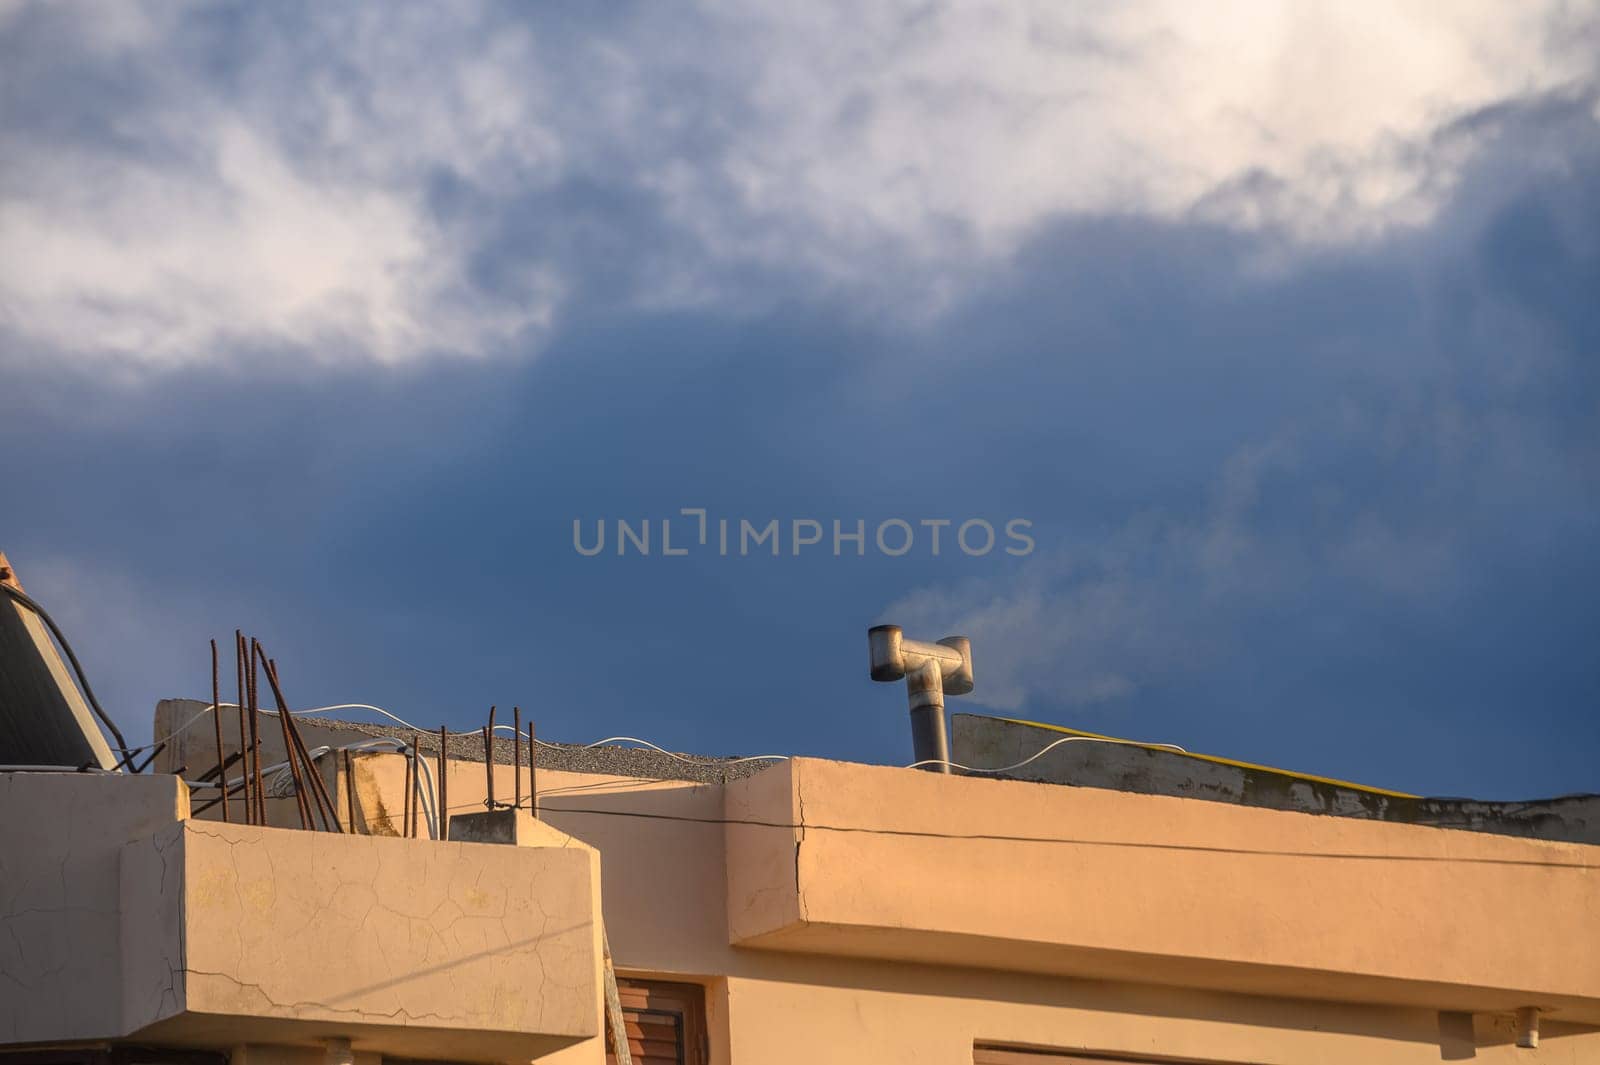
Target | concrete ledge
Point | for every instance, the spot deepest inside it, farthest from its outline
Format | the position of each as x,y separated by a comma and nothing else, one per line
993,742
60,911
903,865
408,947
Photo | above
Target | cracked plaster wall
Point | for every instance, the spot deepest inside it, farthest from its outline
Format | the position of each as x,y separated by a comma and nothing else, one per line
364,930
60,911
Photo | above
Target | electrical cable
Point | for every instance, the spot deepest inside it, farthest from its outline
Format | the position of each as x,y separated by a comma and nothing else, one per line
1042,751
707,760
297,713
83,681
924,834
1129,844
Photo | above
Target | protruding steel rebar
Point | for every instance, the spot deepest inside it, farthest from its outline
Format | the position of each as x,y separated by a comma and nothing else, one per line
326,809
244,741
416,788
220,774
516,757
488,760
288,744
255,738
410,792
127,759
444,784
349,792
416,784
220,768
142,766
286,726
533,771
216,719
209,803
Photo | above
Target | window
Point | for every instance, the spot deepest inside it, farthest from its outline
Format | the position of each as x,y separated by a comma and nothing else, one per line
665,1022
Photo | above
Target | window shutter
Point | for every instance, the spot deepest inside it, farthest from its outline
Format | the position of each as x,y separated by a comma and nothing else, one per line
665,1022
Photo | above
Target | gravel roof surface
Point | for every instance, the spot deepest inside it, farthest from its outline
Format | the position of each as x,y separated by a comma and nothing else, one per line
614,760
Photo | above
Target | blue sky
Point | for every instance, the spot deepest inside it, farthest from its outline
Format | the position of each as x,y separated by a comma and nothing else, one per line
1279,322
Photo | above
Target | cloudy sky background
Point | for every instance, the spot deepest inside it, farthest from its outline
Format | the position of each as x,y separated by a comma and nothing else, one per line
1281,323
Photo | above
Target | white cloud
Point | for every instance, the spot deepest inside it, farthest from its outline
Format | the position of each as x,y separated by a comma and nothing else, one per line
987,118
286,205
168,264
290,217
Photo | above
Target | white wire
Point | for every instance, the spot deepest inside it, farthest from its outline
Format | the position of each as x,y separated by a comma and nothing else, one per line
708,760
1041,751
281,773
297,713
469,732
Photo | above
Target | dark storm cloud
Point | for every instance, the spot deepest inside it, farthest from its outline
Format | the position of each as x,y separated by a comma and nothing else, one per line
1330,504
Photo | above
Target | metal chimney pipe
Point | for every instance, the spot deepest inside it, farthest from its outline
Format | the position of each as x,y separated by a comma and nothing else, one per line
930,670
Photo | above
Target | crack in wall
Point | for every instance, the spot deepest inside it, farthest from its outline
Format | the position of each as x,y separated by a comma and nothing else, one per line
800,837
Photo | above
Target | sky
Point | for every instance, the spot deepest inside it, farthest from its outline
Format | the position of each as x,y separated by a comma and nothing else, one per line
1273,329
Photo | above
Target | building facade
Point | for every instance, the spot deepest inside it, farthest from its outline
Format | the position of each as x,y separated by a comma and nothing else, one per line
798,911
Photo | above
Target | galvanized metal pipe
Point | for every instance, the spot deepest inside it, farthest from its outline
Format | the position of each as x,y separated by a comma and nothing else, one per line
929,670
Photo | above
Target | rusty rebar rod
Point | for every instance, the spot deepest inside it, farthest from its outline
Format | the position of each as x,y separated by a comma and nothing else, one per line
416,784
142,766
410,792
219,768
488,761
220,773
319,789
326,808
255,738
216,720
288,747
444,784
244,741
516,757
349,791
291,750
405,792
209,803
127,759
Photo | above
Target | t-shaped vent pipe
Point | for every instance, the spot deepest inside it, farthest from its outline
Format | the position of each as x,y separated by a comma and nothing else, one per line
930,670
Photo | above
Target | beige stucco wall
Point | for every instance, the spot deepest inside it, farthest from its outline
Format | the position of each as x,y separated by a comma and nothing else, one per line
667,905
682,890
121,918
1090,882
60,908
464,950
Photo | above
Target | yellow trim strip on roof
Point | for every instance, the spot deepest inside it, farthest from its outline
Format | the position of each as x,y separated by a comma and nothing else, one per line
1213,758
